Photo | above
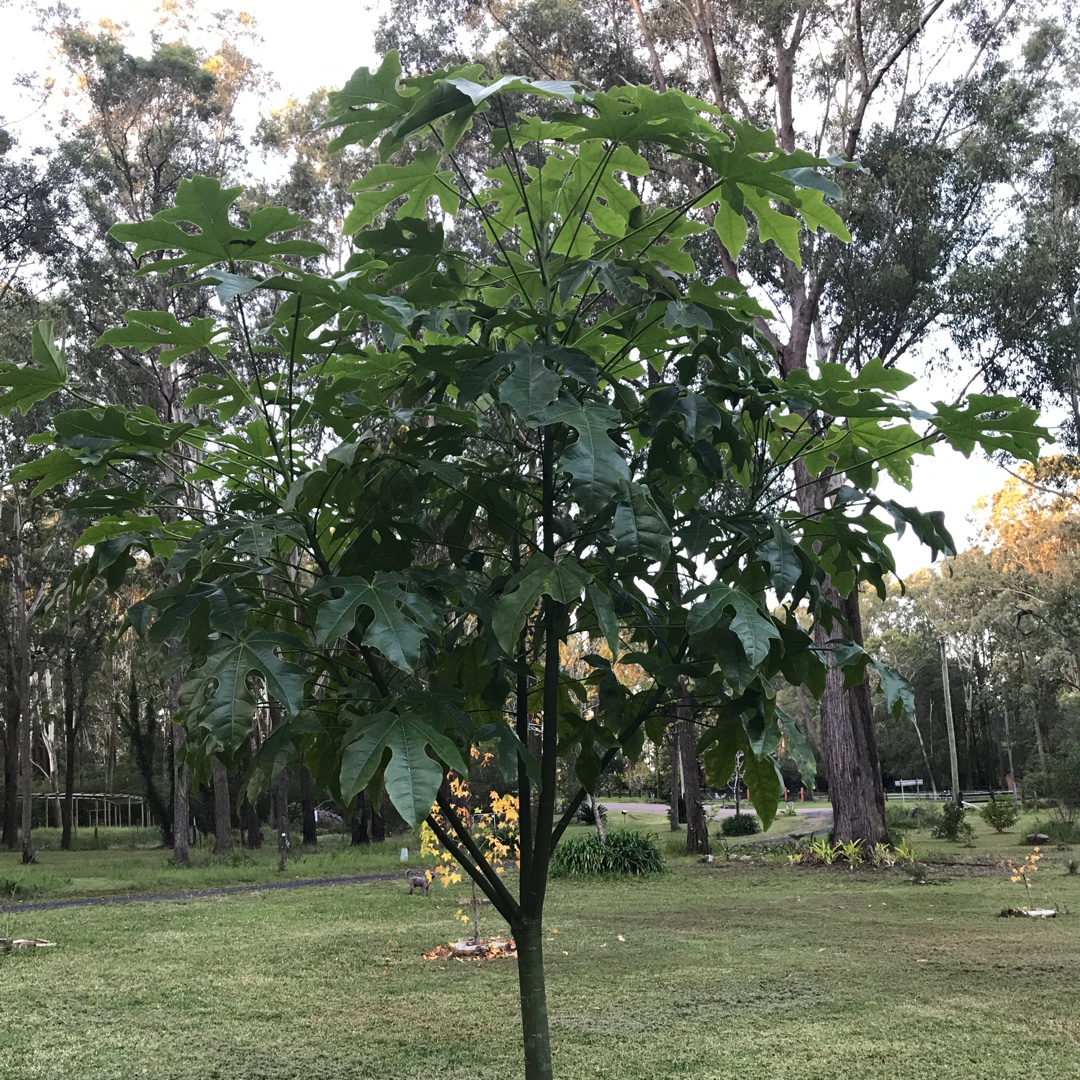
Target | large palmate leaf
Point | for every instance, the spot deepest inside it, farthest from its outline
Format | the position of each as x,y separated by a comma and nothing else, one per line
400,620
762,777
596,464
417,183
148,330
369,103
530,387
755,629
411,776
24,384
562,581
639,527
219,693
200,228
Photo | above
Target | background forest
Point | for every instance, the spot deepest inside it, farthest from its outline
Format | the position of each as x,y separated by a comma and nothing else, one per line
964,266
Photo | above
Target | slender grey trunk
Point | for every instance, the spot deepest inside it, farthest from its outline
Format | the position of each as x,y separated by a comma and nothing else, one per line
181,785
673,809
223,840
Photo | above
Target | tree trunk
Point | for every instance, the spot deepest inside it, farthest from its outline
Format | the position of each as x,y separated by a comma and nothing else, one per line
181,811
697,828
673,808
69,750
378,827
307,802
28,853
851,754
279,797
251,834
359,824
251,824
223,841
10,836
529,938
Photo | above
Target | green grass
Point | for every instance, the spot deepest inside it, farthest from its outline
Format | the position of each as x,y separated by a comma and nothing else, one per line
748,970
125,868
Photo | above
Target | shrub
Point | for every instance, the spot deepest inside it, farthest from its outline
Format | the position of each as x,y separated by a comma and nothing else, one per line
951,823
587,816
626,851
999,815
633,852
740,825
1060,832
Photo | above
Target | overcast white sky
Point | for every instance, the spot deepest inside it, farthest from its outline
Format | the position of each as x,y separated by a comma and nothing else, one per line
320,43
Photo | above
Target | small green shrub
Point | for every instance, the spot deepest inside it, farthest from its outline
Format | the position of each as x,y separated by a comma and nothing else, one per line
999,814
633,852
950,825
740,825
626,851
1060,832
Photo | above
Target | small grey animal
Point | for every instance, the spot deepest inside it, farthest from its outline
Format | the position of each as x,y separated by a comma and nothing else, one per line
417,879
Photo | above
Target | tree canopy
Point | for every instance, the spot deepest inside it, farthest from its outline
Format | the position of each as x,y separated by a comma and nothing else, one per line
398,486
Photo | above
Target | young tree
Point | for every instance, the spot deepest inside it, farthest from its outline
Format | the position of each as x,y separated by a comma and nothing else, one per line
440,466
866,80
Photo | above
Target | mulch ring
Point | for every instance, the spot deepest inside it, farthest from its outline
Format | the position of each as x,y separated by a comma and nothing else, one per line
494,949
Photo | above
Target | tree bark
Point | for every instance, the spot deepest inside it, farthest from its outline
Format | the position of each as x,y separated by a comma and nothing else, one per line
851,754
359,824
181,810
697,828
70,732
26,749
529,938
251,834
307,802
378,827
673,806
10,836
223,841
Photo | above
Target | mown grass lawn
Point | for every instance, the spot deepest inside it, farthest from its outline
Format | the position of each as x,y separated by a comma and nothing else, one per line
741,970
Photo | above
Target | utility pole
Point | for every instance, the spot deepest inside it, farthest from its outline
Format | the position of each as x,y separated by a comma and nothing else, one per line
953,763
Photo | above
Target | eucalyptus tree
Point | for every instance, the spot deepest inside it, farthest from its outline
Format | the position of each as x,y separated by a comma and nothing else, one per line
139,125
438,466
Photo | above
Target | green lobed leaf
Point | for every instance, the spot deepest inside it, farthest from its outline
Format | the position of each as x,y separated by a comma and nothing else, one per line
754,628
146,330
562,581
204,206
417,182
25,383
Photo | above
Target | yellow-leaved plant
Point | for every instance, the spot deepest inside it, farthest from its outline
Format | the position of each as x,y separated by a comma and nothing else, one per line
494,831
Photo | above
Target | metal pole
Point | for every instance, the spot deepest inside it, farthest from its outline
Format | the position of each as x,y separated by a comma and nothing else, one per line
953,763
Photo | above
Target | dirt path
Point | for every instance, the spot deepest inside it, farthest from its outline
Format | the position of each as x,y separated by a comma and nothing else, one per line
193,894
